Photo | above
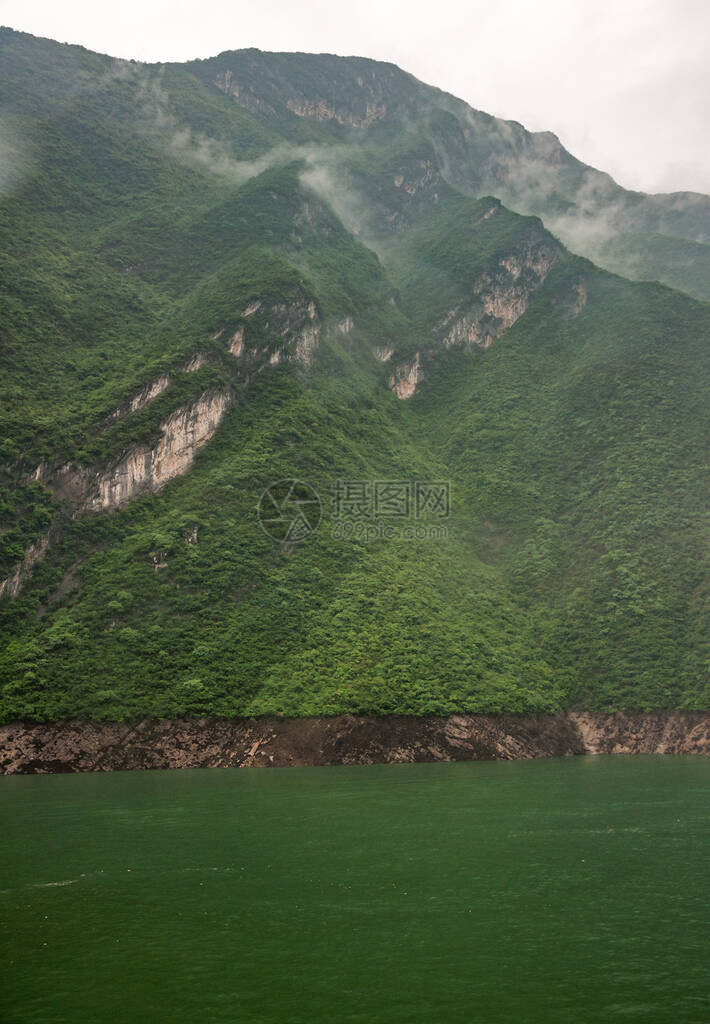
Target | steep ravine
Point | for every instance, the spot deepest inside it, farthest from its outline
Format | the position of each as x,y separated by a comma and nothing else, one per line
76,746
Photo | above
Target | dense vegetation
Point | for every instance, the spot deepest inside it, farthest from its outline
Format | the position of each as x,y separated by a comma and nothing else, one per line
142,210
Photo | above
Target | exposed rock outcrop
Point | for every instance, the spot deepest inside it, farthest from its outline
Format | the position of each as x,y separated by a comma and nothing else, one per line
195,363
672,732
12,585
405,378
409,190
143,470
75,746
580,302
144,396
320,110
572,299
276,332
279,331
500,297
146,469
155,388
418,176
244,96
359,107
236,343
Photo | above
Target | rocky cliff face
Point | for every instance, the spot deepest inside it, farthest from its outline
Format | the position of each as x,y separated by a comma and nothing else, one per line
143,470
244,95
144,396
405,378
638,733
363,94
214,742
383,353
12,585
272,332
267,334
415,185
500,297
147,469
156,387
319,110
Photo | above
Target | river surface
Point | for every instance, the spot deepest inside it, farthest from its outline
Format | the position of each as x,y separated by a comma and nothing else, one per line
567,890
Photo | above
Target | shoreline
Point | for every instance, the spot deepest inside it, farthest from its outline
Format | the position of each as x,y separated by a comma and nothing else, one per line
85,746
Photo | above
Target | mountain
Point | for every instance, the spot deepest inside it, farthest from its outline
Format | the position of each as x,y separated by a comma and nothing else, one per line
657,237
225,276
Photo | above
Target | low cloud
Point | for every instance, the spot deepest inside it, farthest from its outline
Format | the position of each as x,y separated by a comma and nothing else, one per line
17,158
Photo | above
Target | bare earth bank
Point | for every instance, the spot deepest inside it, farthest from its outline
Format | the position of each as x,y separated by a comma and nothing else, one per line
78,746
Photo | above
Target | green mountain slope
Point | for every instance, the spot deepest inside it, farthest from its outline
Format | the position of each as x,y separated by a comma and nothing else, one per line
224,274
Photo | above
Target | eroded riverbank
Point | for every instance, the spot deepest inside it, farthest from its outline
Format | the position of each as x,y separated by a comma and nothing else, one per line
78,746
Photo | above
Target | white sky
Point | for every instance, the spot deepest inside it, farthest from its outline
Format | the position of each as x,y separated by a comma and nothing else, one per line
625,84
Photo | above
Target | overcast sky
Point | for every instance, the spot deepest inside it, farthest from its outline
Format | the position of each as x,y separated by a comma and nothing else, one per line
625,84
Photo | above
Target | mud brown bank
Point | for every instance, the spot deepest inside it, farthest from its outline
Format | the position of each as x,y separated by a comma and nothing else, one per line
78,746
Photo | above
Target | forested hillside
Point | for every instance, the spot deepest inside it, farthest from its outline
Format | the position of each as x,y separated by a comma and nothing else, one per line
274,267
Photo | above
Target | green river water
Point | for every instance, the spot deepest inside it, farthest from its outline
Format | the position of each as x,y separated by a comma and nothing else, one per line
566,890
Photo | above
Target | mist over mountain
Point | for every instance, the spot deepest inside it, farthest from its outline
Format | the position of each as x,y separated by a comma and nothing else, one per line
221,275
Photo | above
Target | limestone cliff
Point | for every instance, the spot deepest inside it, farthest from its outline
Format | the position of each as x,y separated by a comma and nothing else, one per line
143,397
156,387
11,586
320,110
405,378
497,299
143,470
361,101
267,333
500,297
272,332
147,469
